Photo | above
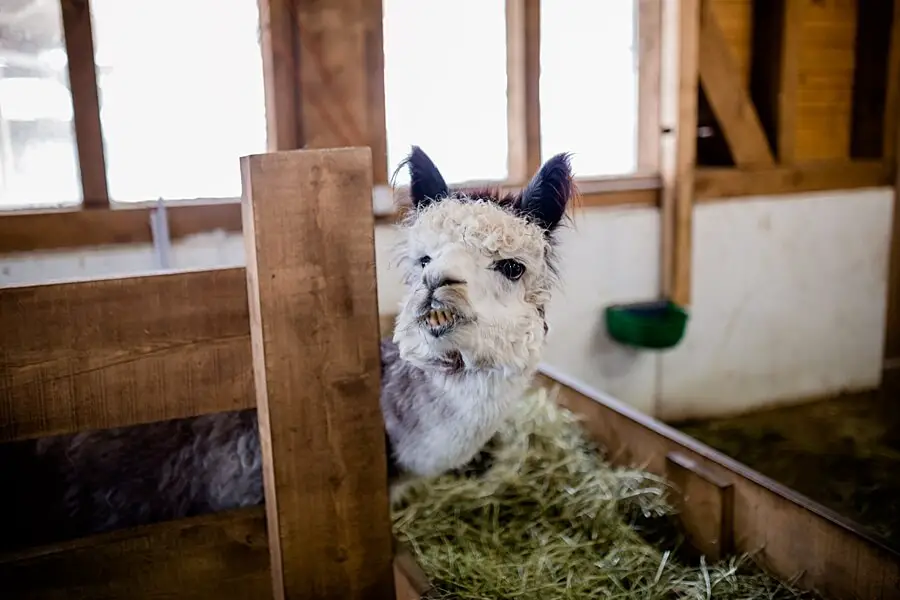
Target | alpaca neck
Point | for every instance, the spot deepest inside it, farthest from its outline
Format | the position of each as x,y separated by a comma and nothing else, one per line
439,421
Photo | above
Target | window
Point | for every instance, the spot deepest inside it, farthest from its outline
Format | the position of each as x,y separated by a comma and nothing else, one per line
181,95
589,83
445,86
38,158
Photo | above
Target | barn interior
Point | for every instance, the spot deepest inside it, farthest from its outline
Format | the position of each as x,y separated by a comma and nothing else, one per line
713,142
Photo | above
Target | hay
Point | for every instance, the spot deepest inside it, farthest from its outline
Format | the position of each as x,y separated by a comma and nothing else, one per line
550,518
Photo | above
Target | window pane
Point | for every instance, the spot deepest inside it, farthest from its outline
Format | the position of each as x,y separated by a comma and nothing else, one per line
38,158
589,85
181,93
445,85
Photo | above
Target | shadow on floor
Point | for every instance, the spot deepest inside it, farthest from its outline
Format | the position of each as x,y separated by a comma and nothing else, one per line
842,452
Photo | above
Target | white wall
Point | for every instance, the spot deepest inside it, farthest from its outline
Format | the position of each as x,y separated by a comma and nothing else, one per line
789,297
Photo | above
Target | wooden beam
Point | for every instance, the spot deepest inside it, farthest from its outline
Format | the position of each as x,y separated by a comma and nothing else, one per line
649,33
31,230
309,236
792,536
76,21
789,80
728,95
115,352
276,25
223,555
892,324
718,184
775,71
678,117
523,91
340,77
892,94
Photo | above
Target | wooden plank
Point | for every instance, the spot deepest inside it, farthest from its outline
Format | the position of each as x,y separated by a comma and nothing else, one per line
892,99
789,79
705,505
309,236
338,94
795,537
892,324
76,21
826,60
716,184
649,32
29,231
735,18
774,72
108,353
729,96
223,556
276,26
678,116
523,91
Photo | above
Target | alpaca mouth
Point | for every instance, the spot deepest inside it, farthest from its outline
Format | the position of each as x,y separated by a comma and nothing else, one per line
440,320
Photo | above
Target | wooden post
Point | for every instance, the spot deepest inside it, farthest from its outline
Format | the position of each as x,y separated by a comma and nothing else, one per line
77,29
523,74
309,236
706,505
678,146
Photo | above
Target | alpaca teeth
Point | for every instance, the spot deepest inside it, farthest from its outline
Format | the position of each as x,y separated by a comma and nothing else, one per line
439,318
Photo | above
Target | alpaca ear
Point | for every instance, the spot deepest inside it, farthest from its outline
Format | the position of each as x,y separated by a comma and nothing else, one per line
545,198
427,185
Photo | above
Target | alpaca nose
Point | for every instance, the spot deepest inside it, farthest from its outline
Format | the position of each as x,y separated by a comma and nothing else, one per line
437,278
442,281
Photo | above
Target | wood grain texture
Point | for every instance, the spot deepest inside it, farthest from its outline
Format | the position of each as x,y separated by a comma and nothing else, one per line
276,26
826,59
309,235
717,184
790,34
115,352
523,91
340,77
649,33
735,18
223,556
705,505
76,21
678,147
728,94
795,536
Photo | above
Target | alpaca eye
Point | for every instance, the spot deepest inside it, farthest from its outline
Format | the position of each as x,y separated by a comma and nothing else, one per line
424,260
511,269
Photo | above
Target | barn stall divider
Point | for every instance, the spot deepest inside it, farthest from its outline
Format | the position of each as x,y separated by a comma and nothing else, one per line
295,335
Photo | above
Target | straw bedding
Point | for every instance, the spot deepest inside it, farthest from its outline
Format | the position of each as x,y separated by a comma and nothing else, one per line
546,517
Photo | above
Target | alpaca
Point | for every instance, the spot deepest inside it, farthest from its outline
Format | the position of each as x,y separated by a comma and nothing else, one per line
478,271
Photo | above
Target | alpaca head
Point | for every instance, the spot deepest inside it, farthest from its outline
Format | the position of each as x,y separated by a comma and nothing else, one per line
479,270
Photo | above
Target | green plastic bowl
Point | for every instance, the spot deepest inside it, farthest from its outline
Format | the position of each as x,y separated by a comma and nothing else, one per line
657,325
